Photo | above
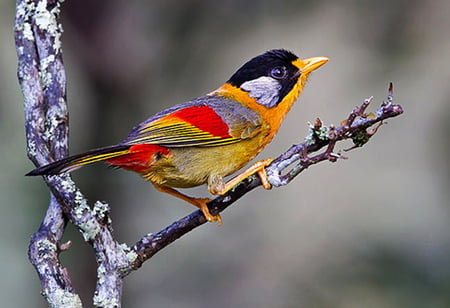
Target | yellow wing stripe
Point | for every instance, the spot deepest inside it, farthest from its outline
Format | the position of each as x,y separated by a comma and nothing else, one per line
92,159
182,133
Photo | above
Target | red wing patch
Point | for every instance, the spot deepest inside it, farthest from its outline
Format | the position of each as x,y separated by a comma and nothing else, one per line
190,126
205,119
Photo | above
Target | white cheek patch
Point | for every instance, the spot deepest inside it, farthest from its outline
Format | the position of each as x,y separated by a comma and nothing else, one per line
264,89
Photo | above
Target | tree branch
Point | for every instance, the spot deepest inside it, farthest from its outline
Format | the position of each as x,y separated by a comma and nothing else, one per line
39,66
42,78
320,136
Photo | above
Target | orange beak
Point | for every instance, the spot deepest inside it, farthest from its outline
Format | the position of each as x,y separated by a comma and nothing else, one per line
311,64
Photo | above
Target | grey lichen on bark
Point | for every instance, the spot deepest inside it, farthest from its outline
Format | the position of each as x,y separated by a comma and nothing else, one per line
43,81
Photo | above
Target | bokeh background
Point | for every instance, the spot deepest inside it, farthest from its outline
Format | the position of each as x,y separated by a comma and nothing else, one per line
371,231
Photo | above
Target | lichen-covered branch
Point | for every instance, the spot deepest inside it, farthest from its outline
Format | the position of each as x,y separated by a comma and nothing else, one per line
39,65
42,78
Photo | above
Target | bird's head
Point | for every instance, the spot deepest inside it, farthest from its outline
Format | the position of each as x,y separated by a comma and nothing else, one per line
275,76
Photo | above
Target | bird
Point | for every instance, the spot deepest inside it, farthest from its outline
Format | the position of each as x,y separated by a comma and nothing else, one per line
206,139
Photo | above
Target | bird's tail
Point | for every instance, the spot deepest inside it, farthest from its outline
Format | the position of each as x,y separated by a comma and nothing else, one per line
74,162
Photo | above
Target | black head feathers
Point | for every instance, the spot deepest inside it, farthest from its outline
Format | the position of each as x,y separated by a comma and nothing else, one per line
263,65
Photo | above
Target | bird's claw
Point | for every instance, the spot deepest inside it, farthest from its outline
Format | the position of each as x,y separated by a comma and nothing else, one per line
202,204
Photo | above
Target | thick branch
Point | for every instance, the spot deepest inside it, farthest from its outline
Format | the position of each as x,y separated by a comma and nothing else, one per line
42,78
40,63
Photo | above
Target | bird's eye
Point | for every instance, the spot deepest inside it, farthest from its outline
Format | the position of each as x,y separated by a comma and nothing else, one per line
278,72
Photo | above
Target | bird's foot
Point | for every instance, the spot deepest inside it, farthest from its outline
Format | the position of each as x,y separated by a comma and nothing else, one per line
217,187
262,164
201,203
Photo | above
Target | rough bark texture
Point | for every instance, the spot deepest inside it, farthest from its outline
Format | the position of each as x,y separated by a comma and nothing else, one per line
42,78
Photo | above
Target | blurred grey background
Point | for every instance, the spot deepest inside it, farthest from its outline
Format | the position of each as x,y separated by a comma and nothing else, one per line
371,231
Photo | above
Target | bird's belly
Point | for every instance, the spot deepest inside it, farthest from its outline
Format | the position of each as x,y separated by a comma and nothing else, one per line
192,166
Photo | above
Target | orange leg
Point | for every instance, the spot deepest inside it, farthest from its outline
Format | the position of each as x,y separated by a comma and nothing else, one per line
198,202
220,188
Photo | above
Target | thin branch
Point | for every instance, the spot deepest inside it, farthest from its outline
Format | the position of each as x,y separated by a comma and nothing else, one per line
320,136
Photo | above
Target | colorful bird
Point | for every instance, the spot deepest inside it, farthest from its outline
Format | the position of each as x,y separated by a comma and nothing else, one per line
208,138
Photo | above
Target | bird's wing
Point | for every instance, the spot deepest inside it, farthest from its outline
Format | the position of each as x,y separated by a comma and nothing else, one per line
207,121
